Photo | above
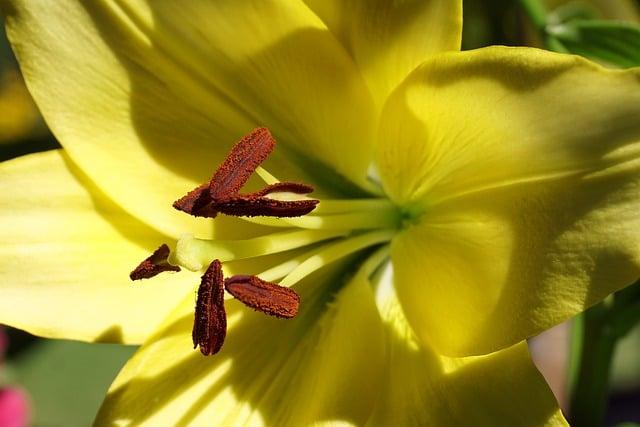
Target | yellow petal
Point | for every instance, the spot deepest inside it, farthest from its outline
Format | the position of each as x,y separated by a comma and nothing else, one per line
426,389
147,97
525,167
66,255
389,39
322,366
499,116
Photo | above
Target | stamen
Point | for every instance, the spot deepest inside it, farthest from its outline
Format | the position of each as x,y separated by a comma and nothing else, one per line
154,264
220,194
210,323
196,202
241,163
284,200
334,251
339,206
248,205
264,296
348,221
318,257
285,187
266,176
281,270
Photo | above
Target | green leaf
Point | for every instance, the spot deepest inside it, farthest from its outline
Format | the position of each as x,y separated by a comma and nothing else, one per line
615,43
572,11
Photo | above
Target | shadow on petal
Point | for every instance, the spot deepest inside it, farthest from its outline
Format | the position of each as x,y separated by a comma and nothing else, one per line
269,370
193,94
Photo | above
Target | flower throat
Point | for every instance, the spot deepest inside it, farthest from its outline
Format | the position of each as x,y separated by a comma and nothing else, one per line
344,227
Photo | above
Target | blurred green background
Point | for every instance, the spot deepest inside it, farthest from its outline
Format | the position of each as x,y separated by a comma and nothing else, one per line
67,380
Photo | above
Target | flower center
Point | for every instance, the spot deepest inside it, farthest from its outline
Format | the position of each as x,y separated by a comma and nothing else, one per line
329,229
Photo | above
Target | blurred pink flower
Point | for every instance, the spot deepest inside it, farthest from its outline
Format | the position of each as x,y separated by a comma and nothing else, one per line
14,408
14,403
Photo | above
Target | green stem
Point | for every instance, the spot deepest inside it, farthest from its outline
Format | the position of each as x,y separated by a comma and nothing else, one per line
538,16
593,347
589,397
536,12
554,44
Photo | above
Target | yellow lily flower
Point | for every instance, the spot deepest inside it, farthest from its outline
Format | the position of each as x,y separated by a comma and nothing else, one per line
468,200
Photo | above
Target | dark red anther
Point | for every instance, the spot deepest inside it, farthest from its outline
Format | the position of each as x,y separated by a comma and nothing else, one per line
241,163
196,202
221,193
247,205
210,323
154,264
264,296
231,175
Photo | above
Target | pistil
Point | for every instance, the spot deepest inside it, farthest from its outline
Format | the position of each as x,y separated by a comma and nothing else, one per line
382,218
193,253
